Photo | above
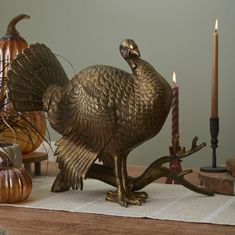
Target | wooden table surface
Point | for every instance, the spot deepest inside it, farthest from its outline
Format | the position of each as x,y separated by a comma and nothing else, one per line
23,221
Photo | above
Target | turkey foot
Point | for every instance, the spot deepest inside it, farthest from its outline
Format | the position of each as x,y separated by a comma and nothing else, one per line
125,199
59,185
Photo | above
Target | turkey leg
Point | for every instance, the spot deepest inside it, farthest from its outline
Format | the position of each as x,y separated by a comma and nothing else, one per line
137,198
124,195
119,194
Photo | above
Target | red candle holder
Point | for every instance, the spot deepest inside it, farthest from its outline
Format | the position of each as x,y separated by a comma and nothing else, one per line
175,162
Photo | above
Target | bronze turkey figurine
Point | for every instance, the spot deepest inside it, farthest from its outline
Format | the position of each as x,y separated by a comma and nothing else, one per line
102,113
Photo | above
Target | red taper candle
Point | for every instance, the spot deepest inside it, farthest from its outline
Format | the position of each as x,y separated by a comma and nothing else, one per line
175,109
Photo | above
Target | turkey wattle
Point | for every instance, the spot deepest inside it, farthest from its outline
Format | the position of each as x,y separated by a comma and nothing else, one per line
102,113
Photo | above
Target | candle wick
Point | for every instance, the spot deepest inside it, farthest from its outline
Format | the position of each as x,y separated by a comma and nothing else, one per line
216,26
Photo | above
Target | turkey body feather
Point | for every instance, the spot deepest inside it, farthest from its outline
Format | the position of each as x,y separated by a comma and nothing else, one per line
103,112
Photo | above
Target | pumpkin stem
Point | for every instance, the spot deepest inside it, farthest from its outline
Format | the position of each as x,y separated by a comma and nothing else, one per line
11,29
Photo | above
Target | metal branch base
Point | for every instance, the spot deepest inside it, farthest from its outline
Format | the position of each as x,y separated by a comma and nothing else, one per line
153,172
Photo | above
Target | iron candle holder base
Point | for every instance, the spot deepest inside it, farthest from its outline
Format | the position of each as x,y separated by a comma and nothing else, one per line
214,130
209,169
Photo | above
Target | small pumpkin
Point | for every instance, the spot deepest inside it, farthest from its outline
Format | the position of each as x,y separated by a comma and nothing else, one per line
29,131
15,184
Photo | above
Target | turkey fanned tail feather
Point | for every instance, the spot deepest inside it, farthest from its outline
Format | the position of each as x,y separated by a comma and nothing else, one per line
30,74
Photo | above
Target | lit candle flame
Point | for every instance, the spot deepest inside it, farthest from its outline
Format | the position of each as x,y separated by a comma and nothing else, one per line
216,25
174,78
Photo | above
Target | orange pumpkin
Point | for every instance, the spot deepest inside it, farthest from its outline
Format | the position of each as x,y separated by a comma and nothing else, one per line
30,129
15,184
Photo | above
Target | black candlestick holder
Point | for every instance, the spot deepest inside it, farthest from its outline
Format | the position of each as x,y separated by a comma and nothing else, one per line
214,130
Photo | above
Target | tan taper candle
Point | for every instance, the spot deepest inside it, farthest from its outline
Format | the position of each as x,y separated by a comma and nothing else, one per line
214,79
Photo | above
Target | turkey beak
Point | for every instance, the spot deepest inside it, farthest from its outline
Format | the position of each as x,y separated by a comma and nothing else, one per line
135,52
